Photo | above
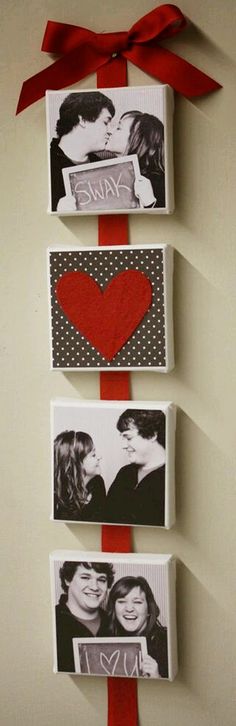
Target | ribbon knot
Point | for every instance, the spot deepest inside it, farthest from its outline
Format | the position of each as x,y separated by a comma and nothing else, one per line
83,52
112,43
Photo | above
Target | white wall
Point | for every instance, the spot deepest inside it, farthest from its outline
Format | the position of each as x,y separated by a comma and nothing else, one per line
202,384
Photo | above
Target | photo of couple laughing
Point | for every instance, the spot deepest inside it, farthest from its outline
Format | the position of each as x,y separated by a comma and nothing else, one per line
99,601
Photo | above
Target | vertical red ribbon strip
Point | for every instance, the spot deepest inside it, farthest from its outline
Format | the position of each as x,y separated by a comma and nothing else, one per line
114,230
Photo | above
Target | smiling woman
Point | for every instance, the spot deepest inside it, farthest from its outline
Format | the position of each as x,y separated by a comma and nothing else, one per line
132,610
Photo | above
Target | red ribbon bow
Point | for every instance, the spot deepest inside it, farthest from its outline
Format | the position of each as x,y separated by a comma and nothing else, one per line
84,52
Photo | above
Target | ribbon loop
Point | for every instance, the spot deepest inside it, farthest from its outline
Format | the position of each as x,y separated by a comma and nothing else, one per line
162,22
61,38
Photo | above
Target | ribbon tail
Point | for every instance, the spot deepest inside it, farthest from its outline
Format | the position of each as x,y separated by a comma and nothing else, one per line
170,68
114,538
113,74
64,72
122,702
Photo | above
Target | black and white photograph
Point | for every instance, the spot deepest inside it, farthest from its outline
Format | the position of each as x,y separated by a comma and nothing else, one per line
111,307
113,462
114,615
110,150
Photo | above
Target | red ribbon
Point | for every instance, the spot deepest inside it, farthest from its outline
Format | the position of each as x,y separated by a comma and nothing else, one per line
114,386
84,52
122,693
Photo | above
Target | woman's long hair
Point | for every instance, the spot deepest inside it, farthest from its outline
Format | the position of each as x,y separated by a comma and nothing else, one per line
120,589
70,449
146,139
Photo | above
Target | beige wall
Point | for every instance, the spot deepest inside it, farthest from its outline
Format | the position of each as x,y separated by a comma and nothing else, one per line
202,384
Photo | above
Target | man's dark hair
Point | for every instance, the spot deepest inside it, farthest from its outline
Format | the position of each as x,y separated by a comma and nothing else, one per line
87,105
68,570
149,423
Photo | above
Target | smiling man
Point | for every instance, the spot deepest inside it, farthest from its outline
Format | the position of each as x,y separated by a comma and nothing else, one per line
137,495
79,613
82,131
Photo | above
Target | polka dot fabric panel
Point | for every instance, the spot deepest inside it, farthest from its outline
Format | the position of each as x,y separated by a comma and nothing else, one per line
146,348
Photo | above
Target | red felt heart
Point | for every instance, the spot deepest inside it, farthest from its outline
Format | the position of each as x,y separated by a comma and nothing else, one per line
107,318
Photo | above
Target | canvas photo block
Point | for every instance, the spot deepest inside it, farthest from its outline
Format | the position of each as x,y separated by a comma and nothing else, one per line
111,308
113,462
114,615
110,150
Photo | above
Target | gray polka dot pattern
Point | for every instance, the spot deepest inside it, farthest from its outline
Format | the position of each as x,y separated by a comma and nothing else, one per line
146,347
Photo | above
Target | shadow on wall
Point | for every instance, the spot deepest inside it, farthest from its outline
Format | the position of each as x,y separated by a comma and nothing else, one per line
202,337
87,536
195,36
201,468
201,665
204,636
90,384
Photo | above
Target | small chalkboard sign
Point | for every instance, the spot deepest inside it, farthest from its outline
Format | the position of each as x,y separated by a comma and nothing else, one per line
109,656
103,185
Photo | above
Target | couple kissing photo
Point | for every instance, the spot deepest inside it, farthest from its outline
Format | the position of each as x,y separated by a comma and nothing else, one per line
109,151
